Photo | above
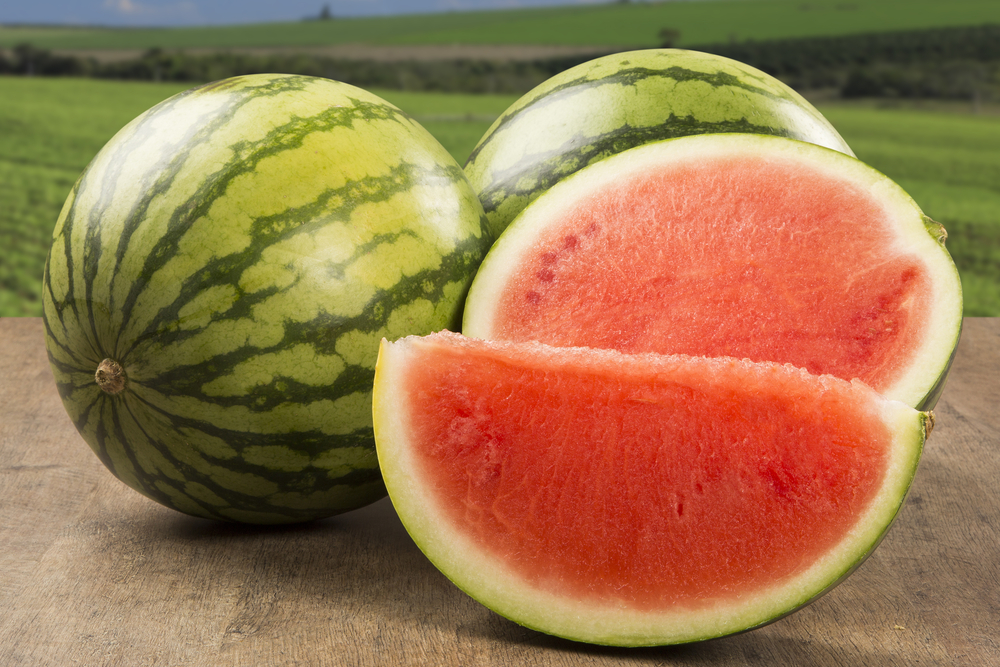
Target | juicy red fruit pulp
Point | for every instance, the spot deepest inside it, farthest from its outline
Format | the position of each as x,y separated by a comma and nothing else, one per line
754,258
650,491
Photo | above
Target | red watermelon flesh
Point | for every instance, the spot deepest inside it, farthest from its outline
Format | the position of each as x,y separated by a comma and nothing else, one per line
756,247
636,499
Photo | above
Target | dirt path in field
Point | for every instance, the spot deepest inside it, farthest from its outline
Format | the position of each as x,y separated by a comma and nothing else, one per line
371,52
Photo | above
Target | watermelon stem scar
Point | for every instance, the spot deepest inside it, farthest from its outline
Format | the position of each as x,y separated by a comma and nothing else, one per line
110,376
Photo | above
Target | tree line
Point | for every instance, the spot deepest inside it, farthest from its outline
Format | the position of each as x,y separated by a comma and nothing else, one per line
464,75
949,63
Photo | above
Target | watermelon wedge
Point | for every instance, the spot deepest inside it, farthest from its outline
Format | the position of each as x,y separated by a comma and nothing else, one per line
732,245
636,499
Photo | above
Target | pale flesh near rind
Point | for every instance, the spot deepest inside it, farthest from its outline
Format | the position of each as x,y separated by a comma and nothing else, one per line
474,568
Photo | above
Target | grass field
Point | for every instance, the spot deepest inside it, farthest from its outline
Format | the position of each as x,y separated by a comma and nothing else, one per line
49,131
51,128
634,24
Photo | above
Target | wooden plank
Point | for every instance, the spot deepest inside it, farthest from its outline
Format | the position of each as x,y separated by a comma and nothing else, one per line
93,573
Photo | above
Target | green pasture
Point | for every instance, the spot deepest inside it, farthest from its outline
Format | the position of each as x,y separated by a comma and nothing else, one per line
51,128
633,24
49,131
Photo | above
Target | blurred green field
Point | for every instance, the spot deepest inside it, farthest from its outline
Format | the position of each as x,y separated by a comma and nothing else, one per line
631,24
49,131
51,128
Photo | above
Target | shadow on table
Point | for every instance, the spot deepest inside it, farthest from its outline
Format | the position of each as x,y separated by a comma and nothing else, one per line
360,568
768,645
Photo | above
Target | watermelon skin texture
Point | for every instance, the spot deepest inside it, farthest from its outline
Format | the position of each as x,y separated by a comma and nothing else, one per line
240,250
610,104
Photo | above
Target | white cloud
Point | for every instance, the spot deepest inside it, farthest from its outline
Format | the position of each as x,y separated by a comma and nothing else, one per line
124,6
155,10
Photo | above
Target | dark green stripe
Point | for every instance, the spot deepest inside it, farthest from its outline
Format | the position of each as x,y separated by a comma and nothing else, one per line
101,436
547,169
58,337
197,205
322,333
624,77
306,481
201,133
71,301
266,230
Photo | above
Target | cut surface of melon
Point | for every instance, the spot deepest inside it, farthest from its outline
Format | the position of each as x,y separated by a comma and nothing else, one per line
731,245
636,499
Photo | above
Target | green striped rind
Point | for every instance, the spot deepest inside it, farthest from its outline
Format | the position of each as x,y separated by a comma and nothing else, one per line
240,250
613,103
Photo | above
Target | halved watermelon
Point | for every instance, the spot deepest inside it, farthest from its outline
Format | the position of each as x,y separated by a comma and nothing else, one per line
732,245
636,499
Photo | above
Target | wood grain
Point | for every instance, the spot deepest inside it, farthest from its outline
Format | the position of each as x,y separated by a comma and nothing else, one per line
92,573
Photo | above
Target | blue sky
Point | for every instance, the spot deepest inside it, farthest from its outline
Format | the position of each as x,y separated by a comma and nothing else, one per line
201,12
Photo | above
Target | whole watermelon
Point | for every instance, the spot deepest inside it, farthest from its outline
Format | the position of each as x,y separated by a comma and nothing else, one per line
607,105
220,278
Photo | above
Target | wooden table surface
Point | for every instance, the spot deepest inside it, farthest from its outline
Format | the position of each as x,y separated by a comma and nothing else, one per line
92,573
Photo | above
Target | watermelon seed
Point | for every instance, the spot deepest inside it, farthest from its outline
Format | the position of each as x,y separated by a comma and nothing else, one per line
110,376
